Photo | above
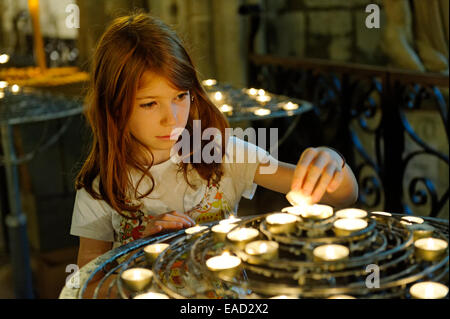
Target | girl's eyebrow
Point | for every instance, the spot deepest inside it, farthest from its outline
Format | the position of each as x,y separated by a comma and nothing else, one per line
153,97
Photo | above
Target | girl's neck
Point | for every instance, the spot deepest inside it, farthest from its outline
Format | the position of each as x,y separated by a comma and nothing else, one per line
160,156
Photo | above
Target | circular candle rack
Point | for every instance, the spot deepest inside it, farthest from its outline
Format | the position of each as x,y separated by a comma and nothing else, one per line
384,249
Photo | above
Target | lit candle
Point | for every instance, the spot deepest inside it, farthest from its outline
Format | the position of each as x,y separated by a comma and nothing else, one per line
283,297
151,295
316,212
218,96
4,58
382,214
261,92
230,220
262,249
2,95
3,84
225,265
341,297
294,210
421,231
351,213
330,252
430,249
281,223
409,220
296,198
220,231
263,98
262,112
346,226
242,236
428,290
252,91
137,278
289,106
153,251
195,230
15,88
209,82
225,108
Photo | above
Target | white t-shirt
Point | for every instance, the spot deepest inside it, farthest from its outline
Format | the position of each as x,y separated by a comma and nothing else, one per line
95,219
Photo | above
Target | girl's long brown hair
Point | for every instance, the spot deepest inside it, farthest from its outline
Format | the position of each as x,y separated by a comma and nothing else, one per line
129,47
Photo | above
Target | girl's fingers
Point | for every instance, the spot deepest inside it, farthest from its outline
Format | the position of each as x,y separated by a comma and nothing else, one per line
314,172
336,181
302,166
185,216
323,183
152,229
168,224
176,218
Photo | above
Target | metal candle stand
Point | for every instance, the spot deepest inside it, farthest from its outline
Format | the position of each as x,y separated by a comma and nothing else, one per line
181,272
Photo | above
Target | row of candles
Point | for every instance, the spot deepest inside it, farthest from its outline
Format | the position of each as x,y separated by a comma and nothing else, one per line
13,88
348,221
259,95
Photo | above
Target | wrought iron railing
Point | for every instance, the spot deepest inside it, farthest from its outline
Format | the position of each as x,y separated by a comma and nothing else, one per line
351,100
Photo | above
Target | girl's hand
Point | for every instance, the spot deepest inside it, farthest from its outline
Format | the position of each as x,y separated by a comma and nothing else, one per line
319,170
170,221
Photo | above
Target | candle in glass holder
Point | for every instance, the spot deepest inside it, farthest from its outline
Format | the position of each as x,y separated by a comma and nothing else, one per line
347,226
242,236
428,290
230,220
209,82
225,108
262,112
351,213
430,249
195,231
153,251
262,249
316,212
281,223
151,295
289,106
220,231
330,252
409,220
137,279
225,266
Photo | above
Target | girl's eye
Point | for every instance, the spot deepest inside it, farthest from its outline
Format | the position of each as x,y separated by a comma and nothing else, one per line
149,104
182,96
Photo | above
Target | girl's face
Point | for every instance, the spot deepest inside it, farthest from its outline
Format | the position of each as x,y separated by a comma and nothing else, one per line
158,110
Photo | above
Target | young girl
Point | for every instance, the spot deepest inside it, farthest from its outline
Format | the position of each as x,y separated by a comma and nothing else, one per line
144,89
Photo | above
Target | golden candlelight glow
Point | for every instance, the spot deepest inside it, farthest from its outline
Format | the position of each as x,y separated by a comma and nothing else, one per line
382,214
3,84
222,262
409,220
209,82
252,91
283,297
153,251
294,210
195,229
242,235
316,212
262,112
226,108
263,98
137,278
351,213
265,249
281,223
289,106
15,88
4,58
428,290
218,96
296,198
331,252
346,226
261,92
230,220
220,231
2,95
430,248
151,295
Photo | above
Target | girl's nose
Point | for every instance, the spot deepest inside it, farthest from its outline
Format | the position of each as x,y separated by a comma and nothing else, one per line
169,115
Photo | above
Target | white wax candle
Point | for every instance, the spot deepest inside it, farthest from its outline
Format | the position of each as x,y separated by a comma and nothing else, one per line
151,295
428,290
316,211
243,234
331,252
351,213
281,218
155,248
263,98
261,247
350,224
230,220
226,108
433,244
137,274
262,112
4,58
289,106
3,84
218,96
15,88
223,228
209,82
409,220
382,214
222,262
252,91
195,229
